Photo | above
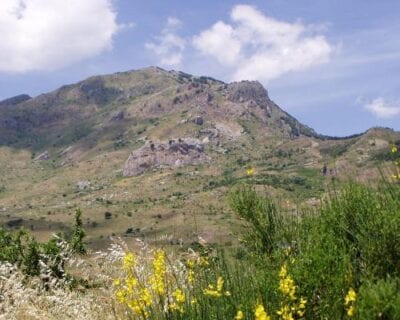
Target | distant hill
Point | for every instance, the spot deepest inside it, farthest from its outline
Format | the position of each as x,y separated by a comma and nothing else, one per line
152,153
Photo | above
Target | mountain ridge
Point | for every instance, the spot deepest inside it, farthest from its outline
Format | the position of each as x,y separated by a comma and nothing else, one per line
156,150
94,88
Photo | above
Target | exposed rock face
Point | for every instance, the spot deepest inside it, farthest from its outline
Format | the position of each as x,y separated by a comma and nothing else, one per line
117,116
174,153
82,185
43,156
248,91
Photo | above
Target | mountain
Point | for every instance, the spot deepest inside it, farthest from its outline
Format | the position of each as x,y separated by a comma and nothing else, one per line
152,153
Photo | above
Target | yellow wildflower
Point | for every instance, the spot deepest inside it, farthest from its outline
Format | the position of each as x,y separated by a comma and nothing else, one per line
145,296
129,261
349,301
283,271
190,263
350,297
202,262
286,313
239,315
158,279
179,300
131,282
286,283
260,314
191,276
220,283
121,295
394,149
135,305
300,313
211,292
117,282
250,171
302,304
290,308
179,296
287,287
350,311
216,293
139,308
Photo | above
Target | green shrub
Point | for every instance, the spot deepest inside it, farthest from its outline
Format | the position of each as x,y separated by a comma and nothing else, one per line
379,300
368,223
22,250
262,215
31,258
78,234
12,246
351,241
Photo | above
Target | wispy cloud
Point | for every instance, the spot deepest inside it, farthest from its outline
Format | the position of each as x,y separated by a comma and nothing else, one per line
381,109
169,46
48,35
255,46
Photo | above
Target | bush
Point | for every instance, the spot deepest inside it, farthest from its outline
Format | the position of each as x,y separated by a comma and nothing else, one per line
351,241
262,215
32,257
379,300
78,234
367,222
107,215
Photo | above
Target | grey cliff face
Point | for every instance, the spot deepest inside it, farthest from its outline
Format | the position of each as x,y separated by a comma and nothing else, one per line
246,91
172,154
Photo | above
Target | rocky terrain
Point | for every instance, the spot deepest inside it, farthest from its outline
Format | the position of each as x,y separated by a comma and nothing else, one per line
172,154
155,152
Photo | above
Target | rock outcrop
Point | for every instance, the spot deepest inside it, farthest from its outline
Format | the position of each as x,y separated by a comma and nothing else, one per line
83,184
173,154
43,156
248,91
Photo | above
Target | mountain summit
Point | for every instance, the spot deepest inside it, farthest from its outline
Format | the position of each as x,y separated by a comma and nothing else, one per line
162,147
86,110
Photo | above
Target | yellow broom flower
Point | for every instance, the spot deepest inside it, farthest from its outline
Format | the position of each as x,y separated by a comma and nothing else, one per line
260,313
239,315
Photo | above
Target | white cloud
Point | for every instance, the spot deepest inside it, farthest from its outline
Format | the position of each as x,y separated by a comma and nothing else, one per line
219,41
381,109
51,34
169,46
257,47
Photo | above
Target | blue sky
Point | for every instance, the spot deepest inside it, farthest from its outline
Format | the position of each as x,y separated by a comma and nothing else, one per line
332,64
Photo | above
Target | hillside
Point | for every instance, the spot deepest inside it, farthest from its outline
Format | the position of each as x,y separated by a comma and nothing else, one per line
152,153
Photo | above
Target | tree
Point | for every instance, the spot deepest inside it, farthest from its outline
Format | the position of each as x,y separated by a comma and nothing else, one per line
78,234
